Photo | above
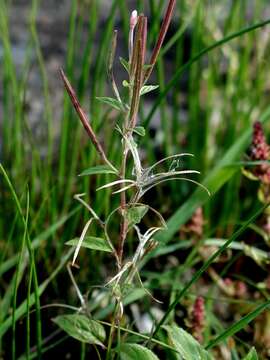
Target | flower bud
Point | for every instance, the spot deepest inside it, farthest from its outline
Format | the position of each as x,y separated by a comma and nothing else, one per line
133,19
198,318
260,150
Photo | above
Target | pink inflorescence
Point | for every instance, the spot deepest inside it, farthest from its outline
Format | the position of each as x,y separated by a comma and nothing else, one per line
198,318
260,150
240,289
195,224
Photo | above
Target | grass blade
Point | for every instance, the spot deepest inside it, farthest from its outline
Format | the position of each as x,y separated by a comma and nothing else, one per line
239,325
32,260
18,277
22,309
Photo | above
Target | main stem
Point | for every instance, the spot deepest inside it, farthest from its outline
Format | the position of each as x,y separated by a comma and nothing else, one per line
115,322
124,223
122,235
136,62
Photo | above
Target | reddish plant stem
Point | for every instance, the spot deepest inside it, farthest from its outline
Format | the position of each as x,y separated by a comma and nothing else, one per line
136,77
161,37
124,223
136,88
144,39
140,46
84,119
134,57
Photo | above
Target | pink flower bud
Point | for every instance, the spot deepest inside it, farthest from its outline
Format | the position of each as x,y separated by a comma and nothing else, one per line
198,318
240,289
260,150
133,19
228,282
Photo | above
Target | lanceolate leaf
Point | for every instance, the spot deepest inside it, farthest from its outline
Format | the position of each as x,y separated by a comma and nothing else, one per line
136,352
241,324
147,88
112,102
82,328
249,175
140,130
252,355
125,83
92,242
125,64
186,345
136,213
99,169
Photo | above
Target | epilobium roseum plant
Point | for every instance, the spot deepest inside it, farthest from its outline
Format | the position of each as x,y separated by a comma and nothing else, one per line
132,209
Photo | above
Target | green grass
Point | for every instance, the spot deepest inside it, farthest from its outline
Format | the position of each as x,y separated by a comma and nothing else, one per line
38,213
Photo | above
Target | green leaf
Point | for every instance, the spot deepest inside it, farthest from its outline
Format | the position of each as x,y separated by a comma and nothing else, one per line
186,345
147,88
92,242
140,130
99,169
125,64
136,213
136,352
112,102
82,328
249,174
125,83
259,256
147,66
252,355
